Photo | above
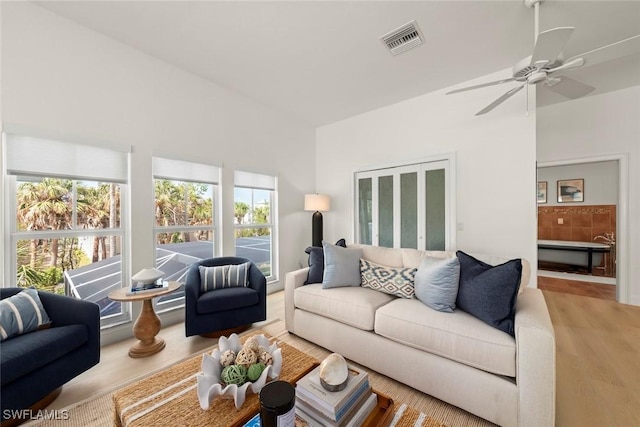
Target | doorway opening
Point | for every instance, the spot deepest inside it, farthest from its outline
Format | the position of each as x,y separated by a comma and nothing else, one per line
582,225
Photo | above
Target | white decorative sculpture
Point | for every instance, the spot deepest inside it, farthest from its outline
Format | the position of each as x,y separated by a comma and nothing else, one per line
210,384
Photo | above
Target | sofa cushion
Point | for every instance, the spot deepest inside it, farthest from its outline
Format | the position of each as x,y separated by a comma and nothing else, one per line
396,281
457,336
413,257
341,266
27,353
381,255
436,283
224,276
316,262
489,292
22,313
226,299
354,306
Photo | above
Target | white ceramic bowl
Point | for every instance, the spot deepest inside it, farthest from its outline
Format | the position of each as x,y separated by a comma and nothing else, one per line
147,276
210,385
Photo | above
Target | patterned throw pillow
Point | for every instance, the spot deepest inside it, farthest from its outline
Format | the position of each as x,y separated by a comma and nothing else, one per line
390,280
224,276
22,313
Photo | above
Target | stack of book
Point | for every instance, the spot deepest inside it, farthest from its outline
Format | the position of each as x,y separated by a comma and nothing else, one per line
344,408
139,288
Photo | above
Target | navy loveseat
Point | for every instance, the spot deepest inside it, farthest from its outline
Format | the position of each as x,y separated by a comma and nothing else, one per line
35,364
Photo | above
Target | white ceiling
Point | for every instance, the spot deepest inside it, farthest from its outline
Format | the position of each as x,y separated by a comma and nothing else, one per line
322,61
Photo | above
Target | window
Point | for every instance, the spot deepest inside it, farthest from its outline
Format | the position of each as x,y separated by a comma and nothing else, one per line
66,219
186,199
255,220
405,206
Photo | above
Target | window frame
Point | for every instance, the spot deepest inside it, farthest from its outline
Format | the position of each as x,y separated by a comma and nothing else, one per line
186,172
272,225
14,235
62,156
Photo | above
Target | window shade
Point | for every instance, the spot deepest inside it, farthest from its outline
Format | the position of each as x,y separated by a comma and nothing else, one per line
48,157
254,180
185,171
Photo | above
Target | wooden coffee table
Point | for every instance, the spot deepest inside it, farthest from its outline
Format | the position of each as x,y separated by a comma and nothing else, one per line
147,326
170,397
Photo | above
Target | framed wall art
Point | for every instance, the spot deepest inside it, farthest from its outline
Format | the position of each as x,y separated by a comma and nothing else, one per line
570,190
542,191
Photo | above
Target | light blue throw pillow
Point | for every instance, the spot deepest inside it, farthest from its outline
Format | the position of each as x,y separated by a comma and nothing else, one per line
22,313
436,283
341,266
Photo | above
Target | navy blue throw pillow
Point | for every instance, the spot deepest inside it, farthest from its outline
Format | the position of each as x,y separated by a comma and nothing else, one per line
316,262
489,292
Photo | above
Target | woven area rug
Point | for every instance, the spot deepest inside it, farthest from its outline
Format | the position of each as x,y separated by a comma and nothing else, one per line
412,408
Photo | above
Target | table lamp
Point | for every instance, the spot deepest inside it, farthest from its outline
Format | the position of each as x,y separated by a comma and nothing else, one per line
316,203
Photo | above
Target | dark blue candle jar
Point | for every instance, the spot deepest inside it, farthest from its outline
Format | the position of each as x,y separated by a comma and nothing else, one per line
277,405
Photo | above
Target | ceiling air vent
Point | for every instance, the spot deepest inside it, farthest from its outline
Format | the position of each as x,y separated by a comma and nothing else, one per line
404,38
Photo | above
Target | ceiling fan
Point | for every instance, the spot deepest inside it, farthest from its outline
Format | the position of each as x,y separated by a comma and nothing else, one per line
545,66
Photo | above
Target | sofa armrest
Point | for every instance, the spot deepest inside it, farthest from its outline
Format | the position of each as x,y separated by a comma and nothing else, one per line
293,280
535,360
64,311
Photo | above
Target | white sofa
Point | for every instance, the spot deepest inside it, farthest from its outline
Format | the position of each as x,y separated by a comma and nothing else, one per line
452,356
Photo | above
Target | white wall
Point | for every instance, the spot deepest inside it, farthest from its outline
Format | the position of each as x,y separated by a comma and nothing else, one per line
62,78
601,125
495,155
600,182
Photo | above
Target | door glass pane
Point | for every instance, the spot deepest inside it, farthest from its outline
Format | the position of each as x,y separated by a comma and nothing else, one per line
409,210
364,210
435,210
385,211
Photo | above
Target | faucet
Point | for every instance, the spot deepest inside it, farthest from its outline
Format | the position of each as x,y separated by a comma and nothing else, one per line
608,238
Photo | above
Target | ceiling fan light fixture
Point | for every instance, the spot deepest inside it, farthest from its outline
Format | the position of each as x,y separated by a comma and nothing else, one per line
536,77
403,38
552,81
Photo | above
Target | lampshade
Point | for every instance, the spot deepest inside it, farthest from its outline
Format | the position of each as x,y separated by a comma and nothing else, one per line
317,202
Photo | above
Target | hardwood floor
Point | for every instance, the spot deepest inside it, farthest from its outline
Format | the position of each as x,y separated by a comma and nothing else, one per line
578,287
597,371
597,353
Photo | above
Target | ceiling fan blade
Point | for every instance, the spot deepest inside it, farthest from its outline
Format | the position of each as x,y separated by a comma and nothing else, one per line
573,63
549,45
612,51
500,100
571,88
464,89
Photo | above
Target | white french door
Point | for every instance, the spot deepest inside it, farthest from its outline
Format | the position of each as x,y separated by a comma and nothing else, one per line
404,206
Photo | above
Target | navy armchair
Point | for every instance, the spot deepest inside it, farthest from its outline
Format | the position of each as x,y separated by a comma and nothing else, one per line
221,310
35,365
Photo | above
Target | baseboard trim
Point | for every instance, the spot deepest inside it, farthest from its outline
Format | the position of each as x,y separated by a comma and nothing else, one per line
578,277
